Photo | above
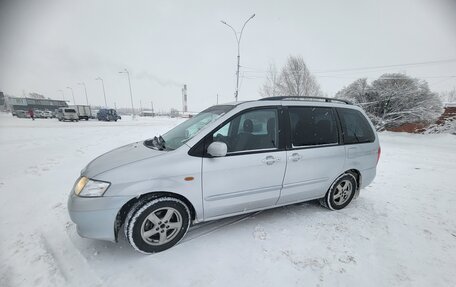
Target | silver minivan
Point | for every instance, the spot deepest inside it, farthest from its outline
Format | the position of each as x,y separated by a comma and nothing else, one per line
67,114
228,160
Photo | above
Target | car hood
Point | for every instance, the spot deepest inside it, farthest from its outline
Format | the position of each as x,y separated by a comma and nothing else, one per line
119,157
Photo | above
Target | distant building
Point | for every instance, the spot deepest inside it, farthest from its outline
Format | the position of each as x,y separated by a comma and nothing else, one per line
14,104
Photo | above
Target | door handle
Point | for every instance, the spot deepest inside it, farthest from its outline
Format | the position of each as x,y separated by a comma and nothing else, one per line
270,160
295,157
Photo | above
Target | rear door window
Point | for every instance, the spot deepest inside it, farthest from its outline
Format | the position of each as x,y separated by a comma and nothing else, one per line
355,127
312,126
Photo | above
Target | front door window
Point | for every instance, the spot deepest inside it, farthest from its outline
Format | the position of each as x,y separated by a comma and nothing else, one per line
250,131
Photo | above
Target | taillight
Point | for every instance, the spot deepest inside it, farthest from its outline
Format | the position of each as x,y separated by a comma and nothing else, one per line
378,153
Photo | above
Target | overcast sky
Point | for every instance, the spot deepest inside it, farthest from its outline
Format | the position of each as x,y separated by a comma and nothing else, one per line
52,44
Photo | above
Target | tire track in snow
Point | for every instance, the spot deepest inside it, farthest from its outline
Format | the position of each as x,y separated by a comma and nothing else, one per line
75,272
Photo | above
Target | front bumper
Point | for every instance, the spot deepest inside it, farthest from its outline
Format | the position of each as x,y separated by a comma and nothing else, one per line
95,217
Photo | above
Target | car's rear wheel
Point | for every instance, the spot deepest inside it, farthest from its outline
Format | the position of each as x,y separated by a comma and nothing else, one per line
341,192
156,225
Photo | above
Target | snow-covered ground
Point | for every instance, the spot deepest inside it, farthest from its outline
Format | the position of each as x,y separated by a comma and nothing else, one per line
401,230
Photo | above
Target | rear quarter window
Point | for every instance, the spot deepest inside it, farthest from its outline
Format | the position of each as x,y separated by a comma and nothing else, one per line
355,127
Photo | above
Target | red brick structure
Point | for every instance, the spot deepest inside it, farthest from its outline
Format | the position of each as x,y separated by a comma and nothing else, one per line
414,128
449,112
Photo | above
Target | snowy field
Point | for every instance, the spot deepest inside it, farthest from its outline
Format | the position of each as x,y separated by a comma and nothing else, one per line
401,231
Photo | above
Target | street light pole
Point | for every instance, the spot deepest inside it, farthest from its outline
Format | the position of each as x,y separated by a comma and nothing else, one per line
238,40
125,71
85,90
72,94
104,93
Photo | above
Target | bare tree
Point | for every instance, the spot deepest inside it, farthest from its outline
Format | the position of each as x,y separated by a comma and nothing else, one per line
271,87
294,80
448,96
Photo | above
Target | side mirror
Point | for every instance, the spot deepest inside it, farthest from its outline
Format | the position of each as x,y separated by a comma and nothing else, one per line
217,149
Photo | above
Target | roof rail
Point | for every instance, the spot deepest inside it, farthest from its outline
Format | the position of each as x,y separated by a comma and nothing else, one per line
305,99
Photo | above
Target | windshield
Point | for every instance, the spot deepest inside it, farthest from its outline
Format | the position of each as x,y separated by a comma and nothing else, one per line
69,111
188,129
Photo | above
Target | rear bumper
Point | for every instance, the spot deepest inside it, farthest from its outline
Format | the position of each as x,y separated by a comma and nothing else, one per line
95,218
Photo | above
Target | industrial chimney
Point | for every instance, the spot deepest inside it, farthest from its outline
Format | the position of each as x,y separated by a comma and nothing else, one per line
184,99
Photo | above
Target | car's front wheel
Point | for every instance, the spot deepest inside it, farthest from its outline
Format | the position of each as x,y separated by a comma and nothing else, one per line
156,225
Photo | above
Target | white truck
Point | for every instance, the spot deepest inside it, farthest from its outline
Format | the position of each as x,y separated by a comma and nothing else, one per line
84,112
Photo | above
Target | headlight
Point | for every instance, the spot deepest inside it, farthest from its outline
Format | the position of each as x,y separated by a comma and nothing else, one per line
90,188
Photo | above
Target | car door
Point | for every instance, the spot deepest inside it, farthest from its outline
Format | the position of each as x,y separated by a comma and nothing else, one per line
314,156
250,176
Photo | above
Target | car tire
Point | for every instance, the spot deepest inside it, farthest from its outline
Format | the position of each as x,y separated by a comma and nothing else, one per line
157,224
341,192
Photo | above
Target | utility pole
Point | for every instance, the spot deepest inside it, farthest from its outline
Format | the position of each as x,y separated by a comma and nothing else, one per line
72,94
125,71
85,90
152,106
104,93
217,99
238,40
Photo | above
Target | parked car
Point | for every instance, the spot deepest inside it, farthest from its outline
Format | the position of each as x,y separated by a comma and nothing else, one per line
22,114
227,160
38,114
108,115
48,114
67,114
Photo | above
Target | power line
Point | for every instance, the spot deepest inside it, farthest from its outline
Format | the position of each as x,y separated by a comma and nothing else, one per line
355,77
254,70
388,66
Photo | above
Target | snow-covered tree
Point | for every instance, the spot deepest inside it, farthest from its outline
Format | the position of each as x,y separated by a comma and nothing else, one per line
394,99
294,80
357,92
